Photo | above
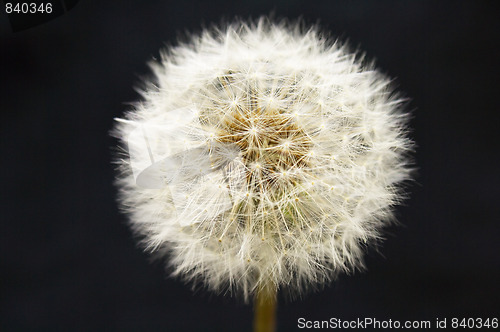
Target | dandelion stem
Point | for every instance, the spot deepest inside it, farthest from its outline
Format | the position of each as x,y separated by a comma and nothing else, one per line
265,310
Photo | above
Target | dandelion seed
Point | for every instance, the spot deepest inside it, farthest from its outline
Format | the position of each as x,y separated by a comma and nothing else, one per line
284,144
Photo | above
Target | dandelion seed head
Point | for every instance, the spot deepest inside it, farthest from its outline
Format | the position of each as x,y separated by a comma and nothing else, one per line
263,154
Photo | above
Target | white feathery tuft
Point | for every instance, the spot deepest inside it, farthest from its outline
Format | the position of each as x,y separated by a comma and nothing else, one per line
263,154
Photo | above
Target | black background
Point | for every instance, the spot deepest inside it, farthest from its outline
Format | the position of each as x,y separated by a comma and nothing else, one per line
68,259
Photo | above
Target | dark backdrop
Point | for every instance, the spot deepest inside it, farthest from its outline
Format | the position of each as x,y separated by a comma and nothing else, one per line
68,259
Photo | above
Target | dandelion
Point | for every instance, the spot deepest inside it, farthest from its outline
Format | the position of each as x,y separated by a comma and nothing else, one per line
264,157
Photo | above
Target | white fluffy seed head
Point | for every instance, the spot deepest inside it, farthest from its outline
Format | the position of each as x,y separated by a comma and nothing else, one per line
263,154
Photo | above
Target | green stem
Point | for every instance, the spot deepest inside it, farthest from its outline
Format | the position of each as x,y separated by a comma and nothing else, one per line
265,310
